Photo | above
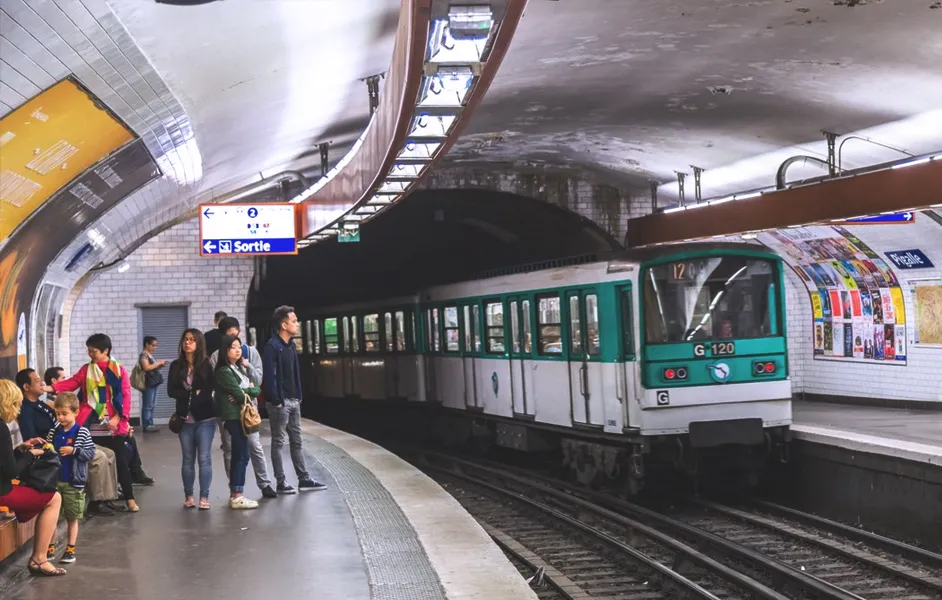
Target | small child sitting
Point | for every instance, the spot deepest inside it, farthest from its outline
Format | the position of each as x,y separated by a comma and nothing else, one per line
75,447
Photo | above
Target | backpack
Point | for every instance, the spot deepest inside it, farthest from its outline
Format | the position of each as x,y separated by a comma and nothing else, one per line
138,378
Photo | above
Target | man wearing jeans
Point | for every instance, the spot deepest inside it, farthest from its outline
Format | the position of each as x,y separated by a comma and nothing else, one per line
282,386
230,326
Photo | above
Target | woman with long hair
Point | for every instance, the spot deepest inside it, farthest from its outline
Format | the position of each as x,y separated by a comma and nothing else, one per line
236,384
190,383
25,502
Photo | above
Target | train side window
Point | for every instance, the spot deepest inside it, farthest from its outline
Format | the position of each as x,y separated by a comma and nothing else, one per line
527,336
593,342
550,326
317,336
514,328
494,322
476,326
346,335
627,323
436,334
401,331
388,327
371,341
575,325
452,329
331,336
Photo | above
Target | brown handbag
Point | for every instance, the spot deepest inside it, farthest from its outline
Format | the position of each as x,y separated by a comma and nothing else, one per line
251,420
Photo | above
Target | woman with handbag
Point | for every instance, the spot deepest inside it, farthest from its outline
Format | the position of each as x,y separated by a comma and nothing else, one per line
190,383
235,388
24,501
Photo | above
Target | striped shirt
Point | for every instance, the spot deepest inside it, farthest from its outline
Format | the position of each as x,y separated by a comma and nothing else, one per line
74,469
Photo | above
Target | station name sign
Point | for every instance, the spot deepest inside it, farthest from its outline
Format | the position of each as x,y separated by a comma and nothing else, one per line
248,229
909,259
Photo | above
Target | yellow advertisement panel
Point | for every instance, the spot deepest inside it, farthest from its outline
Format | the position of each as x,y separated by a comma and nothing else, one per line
48,141
898,307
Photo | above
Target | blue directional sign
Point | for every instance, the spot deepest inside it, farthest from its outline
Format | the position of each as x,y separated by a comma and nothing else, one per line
898,218
247,229
910,259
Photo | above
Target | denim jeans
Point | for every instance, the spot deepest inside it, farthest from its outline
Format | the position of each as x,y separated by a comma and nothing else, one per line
256,453
196,442
240,456
148,401
286,419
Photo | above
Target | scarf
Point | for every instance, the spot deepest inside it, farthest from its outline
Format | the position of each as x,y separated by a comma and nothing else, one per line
95,379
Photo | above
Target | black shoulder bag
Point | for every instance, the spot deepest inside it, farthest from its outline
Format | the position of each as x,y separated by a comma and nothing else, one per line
42,473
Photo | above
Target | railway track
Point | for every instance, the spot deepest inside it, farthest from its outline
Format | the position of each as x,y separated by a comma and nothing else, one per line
775,552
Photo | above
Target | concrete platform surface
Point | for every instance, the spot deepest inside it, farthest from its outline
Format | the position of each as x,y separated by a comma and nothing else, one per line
382,531
901,433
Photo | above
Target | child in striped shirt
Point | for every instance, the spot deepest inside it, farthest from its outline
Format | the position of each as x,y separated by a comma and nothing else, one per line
74,445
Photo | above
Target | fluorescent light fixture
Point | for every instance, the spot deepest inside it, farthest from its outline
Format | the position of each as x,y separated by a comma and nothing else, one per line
96,238
721,200
918,161
394,187
747,196
124,266
383,200
406,171
424,150
749,236
448,87
462,37
675,209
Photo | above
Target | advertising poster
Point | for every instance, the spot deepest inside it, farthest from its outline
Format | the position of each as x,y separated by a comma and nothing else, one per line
927,297
856,299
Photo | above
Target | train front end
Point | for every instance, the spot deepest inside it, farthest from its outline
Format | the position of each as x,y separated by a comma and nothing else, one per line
714,362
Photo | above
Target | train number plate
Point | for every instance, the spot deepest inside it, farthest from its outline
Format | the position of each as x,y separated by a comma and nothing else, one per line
715,349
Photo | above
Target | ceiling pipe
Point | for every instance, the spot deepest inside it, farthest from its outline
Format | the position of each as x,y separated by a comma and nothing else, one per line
780,182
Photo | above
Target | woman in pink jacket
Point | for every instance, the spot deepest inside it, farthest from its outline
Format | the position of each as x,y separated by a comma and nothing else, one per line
104,388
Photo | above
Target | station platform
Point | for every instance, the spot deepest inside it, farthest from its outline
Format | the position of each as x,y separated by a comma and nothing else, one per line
914,435
381,531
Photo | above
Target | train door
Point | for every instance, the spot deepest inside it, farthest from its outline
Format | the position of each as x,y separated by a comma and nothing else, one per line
351,346
626,369
392,358
470,323
585,358
518,307
433,347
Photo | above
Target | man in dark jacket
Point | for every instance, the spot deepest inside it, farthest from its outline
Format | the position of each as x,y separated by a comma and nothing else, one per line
213,336
36,417
282,386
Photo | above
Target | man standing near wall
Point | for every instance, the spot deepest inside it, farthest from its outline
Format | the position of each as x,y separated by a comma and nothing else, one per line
282,385
213,336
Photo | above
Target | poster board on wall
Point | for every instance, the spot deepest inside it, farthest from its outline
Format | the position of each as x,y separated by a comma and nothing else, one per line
927,305
856,298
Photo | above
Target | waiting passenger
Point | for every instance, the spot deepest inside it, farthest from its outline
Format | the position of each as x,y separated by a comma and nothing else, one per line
25,502
36,417
283,397
102,485
73,443
153,378
190,383
250,358
235,387
215,334
106,390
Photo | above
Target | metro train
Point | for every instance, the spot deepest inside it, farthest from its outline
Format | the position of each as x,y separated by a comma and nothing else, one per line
654,356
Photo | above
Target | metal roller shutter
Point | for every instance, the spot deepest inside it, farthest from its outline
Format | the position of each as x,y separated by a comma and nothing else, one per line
166,323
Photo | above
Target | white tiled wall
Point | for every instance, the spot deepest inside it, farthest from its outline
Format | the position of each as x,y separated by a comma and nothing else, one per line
166,270
921,378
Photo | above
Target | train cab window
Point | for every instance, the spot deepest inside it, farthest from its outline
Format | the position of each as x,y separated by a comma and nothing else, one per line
494,332
346,335
317,336
436,335
331,336
550,326
371,341
452,330
514,328
309,346
527,336
713,298
575,325
593,344
390,340
401,330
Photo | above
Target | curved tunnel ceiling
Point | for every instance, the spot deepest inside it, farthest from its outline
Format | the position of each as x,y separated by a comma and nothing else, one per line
644,89
433,236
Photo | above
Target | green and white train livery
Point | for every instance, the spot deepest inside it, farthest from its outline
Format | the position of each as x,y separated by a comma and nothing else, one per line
656,352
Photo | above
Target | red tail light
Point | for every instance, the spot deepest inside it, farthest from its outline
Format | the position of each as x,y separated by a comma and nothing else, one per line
669,374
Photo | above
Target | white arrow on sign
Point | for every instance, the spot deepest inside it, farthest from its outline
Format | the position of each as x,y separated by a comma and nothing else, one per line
908,216
209,247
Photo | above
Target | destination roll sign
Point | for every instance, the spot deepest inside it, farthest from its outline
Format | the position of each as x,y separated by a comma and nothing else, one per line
247,229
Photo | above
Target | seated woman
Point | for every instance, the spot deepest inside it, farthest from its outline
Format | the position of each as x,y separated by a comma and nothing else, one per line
25,502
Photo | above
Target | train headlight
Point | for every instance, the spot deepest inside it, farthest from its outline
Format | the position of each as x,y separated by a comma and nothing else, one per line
675,373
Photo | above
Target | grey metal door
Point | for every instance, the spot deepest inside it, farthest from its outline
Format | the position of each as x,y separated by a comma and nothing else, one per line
166,323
